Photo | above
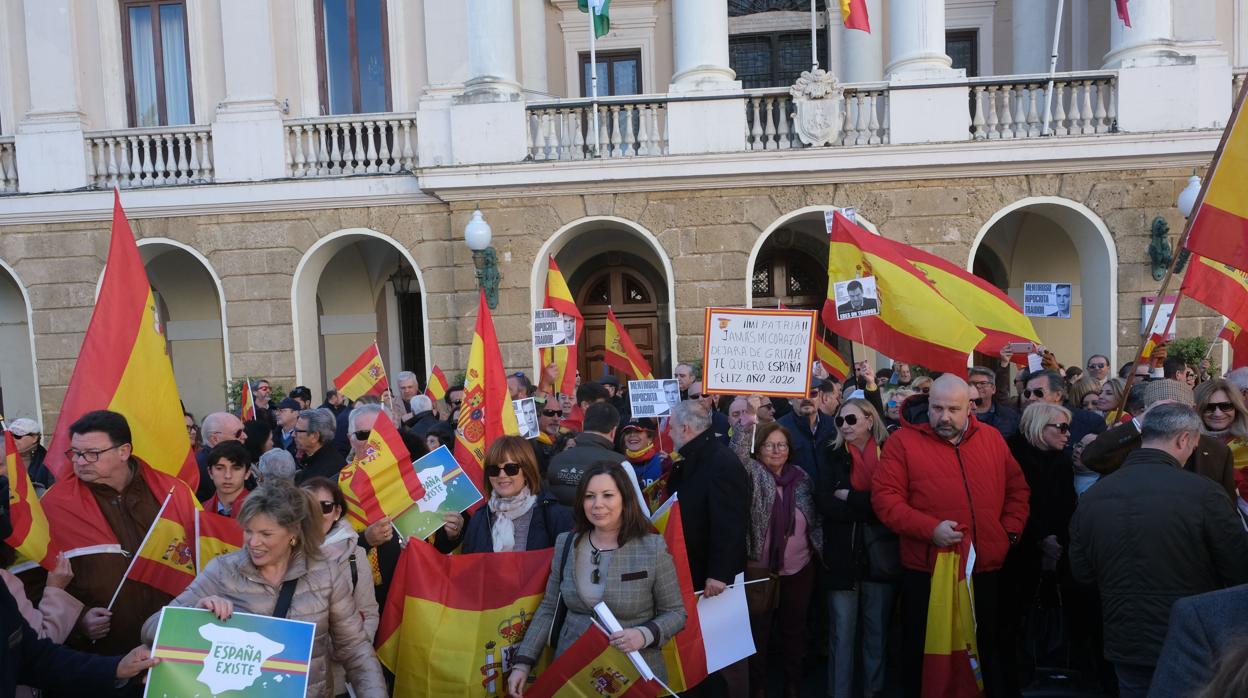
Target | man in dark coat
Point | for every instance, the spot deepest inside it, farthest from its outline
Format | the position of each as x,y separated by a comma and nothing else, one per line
594,443
988,410
1050,386
1202,630
314,432
1150,535
423,417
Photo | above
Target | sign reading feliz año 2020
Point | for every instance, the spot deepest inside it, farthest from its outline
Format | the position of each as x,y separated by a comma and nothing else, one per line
765,352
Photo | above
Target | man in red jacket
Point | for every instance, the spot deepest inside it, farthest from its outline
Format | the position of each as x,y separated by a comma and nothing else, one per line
942,476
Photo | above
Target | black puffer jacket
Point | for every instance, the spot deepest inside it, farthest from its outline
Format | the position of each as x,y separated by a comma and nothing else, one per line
1051,477
843,521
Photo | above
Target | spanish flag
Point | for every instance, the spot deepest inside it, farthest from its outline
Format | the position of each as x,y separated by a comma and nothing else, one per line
1219,226
123,367
487,412
685,654
165,559
452,623
1154,340
78,526
1219,286
365,376
437,385
559,298
620,353
950,654
215,535
592,668
1238,339
31,537
833,362
382,481
916,324
854,15
247,402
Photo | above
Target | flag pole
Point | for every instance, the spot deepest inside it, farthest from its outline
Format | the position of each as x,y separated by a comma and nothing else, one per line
593,72
1048,90
139,550
814,38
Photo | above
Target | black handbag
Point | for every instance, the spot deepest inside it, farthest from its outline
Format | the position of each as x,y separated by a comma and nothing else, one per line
883,553
561,608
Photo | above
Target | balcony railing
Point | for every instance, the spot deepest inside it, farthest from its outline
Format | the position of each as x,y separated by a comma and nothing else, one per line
149,157
1082,104
328,146
631,126
8,165
769,115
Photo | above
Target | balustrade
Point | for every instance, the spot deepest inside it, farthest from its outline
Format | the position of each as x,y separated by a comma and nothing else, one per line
8,165
355,144
150,157
770,114
627,127
1081,104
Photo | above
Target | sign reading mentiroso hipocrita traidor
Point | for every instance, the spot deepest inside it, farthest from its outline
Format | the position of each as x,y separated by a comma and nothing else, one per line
767,352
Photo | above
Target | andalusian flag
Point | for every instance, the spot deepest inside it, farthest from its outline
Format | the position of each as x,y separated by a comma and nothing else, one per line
437,385
451,624
365,376
1219,226
381,482
685,654
833,362
620,353
592,668
31,537
602,23
487,412
123,367
1219,286
915,324
950,655
165,559
854,15
559,298
247,402
215,535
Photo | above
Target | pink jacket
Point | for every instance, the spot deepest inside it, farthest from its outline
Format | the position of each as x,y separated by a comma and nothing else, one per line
52,619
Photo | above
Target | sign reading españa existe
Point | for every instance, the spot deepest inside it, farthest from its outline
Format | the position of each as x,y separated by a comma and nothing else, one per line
764,352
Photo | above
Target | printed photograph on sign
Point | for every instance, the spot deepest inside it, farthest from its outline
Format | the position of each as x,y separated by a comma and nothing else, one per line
856,298
526,415
1046,299
550,328
447,488
653,398
850,212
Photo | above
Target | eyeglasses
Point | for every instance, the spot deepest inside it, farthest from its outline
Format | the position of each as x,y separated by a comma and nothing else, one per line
1220,407
363,435
776,446
552,413
300,431
1038,392
328,507
695,396
1063,427
1097,366
850,419
456,403
925,391
512,470
237,435
980,384
88,456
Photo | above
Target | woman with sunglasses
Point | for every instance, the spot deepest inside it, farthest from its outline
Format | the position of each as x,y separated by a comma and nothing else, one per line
342,546
1224,417
862,559
519,516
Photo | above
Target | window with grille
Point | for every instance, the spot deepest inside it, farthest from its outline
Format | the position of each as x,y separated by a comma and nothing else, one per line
962,45
158,76
772,60
353,55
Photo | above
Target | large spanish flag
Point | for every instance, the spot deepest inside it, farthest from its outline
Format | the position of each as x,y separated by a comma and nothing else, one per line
1219,226
487,412
123,367
215,535
31,536
915,324
620,353
592,668
854,15
365,376
450,620
559,298
1238,339
1219,286
382,482
833,362
685,654
247,402
166,557
950,654
437,385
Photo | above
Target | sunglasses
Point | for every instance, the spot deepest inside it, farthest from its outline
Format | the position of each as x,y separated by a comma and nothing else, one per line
850,419
328,507
695,396
456,403
512,470
1220,407
1038,392
1062,427
237,435
363,435
552,413
1096,366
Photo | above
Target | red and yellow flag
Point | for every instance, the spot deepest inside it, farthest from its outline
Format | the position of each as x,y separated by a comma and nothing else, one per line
1150,345
123,367
437,385
215,535
1219,286
365,376
31,537
833,362
452,623
1123,14
1219,227
592,668
854,15
685,654
620,353
247,402
915,323
559,298
381,482
1238,339
950,653
166,558
487,412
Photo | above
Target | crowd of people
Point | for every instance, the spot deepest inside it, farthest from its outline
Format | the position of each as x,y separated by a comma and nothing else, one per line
1107,545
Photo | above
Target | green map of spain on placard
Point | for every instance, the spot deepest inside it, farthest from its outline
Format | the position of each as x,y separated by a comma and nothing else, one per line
248,655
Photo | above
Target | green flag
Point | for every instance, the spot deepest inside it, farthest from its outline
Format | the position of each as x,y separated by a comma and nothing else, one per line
602,23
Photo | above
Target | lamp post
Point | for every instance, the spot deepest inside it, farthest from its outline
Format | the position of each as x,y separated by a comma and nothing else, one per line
401,280
1187,197
477,236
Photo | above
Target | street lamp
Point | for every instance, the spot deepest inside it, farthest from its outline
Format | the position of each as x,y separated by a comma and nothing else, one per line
1187,197
477,236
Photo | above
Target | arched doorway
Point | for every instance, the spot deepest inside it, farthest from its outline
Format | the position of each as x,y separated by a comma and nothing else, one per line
19,383
188,299
1051,239
351,288
609,261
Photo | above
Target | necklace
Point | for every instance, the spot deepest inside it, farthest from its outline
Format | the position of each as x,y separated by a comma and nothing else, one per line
595,556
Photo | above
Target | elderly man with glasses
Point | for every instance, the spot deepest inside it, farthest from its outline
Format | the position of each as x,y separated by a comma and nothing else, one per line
1098,367
1002,417
314,434
217,427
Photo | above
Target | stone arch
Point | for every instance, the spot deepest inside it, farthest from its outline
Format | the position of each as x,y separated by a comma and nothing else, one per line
813,231
368,308
19,375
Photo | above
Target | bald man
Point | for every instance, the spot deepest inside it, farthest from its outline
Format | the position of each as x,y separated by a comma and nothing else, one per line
944,481
217,427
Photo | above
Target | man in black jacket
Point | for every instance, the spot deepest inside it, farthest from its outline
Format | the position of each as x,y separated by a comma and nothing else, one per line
594,443
314,433
1203,630
1151,534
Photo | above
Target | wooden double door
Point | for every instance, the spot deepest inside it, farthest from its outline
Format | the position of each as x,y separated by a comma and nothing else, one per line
636,305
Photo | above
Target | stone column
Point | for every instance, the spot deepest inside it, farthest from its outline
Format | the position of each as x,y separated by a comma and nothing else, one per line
933,107
49,139
247,134
1150,36
862,53
487,122
491,51
1033,37
916,40
700,47
533,46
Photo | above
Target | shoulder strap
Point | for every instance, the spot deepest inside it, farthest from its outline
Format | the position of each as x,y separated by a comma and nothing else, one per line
567,547
355,573
284,597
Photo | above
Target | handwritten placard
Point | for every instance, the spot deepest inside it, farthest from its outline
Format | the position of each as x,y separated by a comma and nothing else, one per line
767,352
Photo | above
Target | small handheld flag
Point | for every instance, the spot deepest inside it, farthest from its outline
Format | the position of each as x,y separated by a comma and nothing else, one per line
365,376
381,481
31,536
436,387
620,353
247,402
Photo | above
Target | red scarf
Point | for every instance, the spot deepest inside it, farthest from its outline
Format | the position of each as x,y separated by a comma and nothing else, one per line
864,463
641,457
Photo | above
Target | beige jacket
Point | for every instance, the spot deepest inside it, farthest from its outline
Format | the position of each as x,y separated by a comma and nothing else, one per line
323,596
52,619
340,545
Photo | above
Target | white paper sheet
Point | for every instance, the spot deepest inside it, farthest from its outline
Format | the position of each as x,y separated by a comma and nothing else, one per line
725,621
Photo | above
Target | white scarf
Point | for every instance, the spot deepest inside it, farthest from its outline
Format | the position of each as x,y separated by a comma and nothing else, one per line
506,511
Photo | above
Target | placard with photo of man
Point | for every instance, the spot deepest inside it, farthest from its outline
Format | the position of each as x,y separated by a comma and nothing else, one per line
856,298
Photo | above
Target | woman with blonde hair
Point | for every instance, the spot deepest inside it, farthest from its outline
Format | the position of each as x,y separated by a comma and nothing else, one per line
1110,397
1086,394
1224,416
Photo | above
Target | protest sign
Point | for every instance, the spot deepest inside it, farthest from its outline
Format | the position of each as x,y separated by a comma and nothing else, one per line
856,298
552,328
248,655
850,212
767,352
526,416
1163,317
1045,299
653,398
447,488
